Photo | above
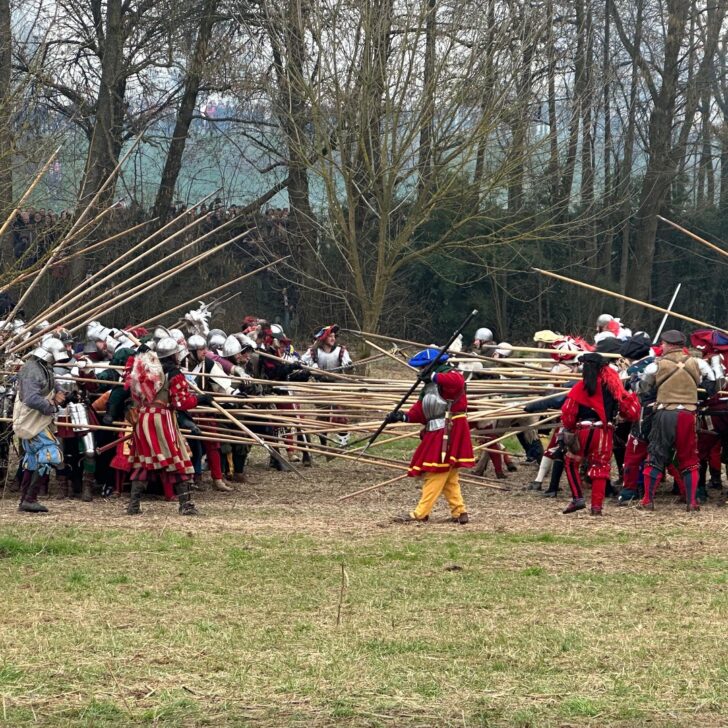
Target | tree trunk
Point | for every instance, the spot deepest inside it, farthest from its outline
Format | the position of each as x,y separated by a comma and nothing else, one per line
106,140
292,112
428,97
625,172
660,166
553,166
173,163
6,130
604,261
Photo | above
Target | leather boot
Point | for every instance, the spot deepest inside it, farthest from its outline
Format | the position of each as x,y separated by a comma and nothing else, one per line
62,485
184,496
221,485
87,494
25,479
137,491
30,504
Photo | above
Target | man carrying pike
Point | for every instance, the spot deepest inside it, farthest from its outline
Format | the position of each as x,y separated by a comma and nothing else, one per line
445,445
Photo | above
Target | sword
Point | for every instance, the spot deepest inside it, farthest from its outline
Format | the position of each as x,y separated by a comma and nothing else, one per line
656,339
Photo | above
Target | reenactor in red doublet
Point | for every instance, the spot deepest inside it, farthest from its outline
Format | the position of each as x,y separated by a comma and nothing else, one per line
445,445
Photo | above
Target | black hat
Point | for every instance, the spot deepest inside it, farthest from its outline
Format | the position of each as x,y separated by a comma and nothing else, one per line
677,338
609,345
592,357
636,347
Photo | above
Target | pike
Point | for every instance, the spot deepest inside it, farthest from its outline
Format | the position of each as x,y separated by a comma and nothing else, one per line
656,338
635,301
253,436
421,377
687,232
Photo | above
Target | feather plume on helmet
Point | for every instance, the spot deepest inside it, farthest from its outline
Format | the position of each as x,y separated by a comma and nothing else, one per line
198,320
146,377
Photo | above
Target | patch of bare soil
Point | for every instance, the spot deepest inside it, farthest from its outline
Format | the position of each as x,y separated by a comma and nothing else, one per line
280,503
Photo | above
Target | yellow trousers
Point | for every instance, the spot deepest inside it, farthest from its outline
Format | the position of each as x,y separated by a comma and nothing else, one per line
446,483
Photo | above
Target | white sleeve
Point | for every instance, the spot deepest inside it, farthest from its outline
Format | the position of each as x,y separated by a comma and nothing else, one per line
705,370
307,359
647,379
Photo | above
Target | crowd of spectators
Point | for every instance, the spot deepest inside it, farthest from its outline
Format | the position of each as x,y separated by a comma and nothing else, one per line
35,230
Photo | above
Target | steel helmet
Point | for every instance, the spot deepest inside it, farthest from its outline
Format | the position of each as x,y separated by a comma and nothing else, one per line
196,342
245,341
504,350
231,346
160,332
216,339
177,335
604,319
96,331
56,348
167,346
276,331
41,353
483,334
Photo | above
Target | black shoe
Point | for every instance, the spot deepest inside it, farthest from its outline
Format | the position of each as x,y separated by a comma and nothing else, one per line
575,505
34,507
626,496
533,485
462,519
550,493
501,475
188,509
511,467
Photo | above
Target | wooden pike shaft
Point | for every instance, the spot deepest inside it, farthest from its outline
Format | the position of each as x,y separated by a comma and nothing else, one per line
389,354
687,232
82,290
69,236
28,192
213,291
629,299
145,286
372,487
536,425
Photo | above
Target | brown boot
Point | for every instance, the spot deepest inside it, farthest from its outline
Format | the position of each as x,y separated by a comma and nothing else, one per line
87,488
221,486
62,485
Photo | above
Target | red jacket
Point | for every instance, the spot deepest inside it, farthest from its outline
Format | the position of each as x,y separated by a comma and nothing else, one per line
459,453
627,402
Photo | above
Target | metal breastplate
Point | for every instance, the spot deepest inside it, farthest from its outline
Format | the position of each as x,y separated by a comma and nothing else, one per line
434,407
328,360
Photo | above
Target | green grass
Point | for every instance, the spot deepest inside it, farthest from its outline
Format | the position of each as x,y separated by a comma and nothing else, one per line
107,627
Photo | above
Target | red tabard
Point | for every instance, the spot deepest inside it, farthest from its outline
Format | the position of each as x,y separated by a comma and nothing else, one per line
428,455
157,443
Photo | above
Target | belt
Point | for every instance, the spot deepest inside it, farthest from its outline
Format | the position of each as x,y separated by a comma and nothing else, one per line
593,423
436,424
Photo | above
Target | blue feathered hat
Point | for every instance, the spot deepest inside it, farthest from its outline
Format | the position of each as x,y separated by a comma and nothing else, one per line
425,357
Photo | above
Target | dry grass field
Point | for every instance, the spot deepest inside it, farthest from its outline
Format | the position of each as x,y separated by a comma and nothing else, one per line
282,607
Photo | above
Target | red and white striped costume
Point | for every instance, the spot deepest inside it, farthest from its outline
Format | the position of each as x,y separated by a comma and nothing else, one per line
157,443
